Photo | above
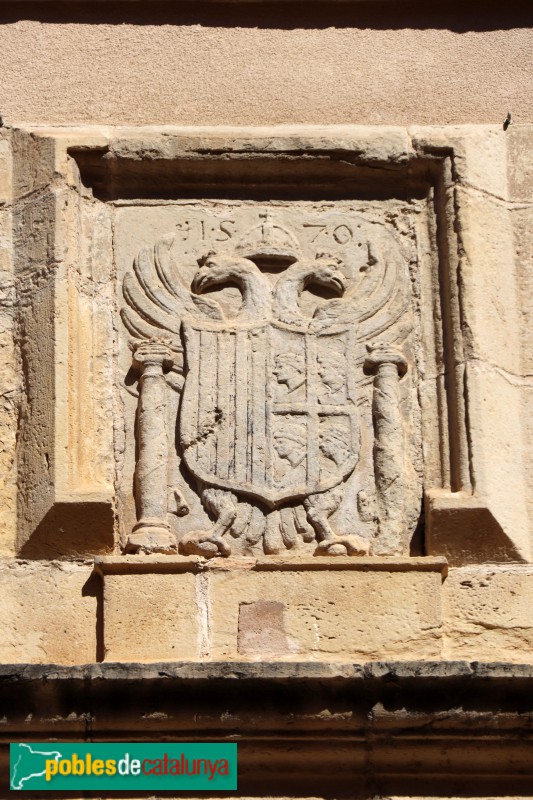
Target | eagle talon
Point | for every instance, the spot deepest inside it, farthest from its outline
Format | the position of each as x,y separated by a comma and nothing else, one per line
203,543
343,546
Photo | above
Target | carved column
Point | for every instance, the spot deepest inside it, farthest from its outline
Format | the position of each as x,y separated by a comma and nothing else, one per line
388,367
152,533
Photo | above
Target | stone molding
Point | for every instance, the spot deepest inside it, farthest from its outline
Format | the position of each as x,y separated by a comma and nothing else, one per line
110,565
358,730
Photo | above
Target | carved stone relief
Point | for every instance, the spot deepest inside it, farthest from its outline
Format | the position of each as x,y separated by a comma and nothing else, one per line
83,205
276,381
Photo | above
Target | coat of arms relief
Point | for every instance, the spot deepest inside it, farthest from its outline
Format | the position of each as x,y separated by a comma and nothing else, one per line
296,418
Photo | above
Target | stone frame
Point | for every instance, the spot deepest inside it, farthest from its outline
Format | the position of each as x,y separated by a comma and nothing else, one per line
468,297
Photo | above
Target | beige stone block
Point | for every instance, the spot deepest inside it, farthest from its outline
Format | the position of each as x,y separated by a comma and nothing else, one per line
522,220
84,353
462,528
527,415
10,388
6,170
478,153
33,162
488,613
520,163
497,447
344,612
492,523
66,461
47,612
6,244
487,280
67,139
370,143
151,617
39,231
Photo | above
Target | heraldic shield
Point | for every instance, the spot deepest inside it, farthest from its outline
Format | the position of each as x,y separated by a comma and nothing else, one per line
269,410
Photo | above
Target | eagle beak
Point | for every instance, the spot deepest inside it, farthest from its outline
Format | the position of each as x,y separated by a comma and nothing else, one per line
200,280
339,284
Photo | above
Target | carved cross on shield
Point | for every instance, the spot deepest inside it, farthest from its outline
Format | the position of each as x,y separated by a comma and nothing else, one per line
269,410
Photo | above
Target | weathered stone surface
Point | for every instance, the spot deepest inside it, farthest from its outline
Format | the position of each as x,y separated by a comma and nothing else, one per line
327,614
271,609
501,481
48,612
6,170
479,154
381,143
154,616
488,610
10,389
427,272
519,166
487,277
64,331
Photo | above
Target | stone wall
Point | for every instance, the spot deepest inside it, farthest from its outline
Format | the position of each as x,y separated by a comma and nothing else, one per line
442,216
266,387
384,63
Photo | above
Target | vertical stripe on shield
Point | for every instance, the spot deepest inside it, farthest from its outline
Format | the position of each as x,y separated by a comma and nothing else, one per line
223,432
206,400
258,406
313,433
193,382
241,404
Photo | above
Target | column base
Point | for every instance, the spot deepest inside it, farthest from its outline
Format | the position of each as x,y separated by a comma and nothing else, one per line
151,537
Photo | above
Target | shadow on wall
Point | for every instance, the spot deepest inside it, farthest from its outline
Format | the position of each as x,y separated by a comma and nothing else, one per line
373,14
94,587
69,529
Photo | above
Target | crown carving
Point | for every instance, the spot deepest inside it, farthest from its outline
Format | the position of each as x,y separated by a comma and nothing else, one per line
269,242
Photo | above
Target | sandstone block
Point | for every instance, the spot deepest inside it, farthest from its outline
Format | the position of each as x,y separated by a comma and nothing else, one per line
151,617
487,611
520,167
6,171
488,281
47,612
478,152
360,615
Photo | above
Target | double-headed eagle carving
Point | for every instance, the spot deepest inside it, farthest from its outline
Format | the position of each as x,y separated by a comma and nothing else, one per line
268,423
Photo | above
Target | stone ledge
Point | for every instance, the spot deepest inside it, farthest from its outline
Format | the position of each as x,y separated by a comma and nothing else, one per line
113,565
227,610
291,671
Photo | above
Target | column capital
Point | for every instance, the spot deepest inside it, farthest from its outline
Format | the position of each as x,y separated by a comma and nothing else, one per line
380,355
152,352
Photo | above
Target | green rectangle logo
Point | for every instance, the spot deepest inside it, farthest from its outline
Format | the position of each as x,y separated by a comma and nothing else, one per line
85,767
